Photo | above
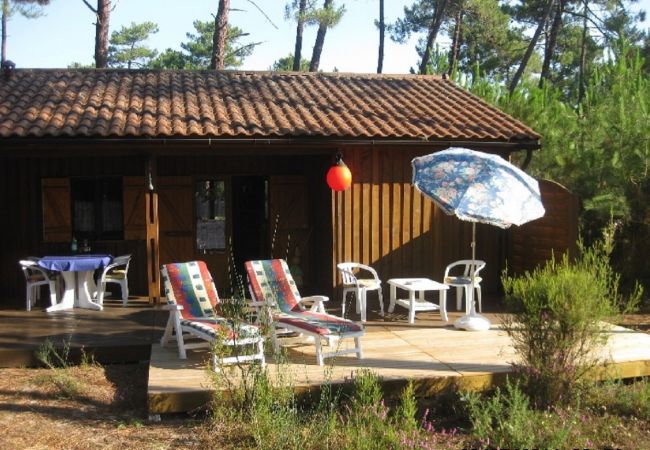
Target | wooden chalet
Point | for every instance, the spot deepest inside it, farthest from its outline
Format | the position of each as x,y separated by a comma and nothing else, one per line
229,166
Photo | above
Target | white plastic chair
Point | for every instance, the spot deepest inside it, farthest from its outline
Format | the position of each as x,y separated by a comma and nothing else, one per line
116,272
463,281
36,276
359,286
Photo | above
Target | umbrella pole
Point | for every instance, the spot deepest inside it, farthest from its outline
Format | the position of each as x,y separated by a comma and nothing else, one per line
472,321
470,293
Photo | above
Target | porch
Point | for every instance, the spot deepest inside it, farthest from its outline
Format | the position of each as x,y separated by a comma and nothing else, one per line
431,352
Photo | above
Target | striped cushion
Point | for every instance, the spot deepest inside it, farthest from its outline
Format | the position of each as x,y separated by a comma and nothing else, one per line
190,285
323,324
220,328
272,282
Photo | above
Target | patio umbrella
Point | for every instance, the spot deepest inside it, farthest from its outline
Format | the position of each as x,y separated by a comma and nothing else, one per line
477,187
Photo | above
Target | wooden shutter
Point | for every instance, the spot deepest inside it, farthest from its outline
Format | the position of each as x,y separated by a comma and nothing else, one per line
176,215
134,208
57,213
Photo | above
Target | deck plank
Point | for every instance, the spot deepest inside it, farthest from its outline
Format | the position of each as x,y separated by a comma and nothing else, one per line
434,356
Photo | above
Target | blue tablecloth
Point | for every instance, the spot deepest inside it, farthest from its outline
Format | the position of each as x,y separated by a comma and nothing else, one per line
75,263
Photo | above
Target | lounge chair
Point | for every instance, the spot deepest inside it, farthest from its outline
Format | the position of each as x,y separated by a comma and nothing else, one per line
193,306
271,284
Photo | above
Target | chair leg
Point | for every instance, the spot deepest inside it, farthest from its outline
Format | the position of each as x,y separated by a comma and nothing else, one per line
168,331
343,301
319,351
478,295
125,291
260,352
381,302
357,342
459,297
364,305
28,297
274,341
357,296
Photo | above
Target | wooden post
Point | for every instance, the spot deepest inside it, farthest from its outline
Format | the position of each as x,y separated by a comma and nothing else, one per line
153,250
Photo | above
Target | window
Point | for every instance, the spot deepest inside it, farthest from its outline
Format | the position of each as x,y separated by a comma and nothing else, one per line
97,208
210,215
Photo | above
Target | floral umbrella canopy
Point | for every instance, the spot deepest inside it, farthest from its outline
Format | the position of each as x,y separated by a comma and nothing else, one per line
477,187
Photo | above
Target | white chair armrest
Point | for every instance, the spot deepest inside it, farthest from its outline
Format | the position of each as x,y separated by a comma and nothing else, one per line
172,308
315,301
372,271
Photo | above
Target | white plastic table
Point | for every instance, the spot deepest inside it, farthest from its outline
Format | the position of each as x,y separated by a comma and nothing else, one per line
420,286
77,272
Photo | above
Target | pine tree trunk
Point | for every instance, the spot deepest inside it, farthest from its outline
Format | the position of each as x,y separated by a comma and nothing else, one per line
382,31
297,52
5,12
217,61
531,47
552,43
320,40
583,56
101,33
455,43
436,22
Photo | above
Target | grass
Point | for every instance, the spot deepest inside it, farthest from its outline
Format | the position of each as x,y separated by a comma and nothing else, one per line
110,412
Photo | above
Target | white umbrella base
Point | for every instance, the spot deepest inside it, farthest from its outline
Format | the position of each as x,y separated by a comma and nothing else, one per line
472,322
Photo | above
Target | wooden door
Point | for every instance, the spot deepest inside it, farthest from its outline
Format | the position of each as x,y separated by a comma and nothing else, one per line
289,224
176,215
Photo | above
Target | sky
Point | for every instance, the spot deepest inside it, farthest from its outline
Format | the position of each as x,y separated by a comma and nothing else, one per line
66,33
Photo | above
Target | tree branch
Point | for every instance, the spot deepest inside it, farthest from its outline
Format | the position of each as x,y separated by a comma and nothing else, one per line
263,13
90,6
244,47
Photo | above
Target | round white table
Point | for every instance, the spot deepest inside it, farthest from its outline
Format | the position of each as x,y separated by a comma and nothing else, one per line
77,272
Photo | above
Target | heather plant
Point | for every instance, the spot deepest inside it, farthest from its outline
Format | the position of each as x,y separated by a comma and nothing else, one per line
557,321
504,419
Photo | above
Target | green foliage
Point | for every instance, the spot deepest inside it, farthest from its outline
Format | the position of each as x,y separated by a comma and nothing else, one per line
270,416
615,397
557,321
126,45
599,149
286,64
196,52
505,420
328,16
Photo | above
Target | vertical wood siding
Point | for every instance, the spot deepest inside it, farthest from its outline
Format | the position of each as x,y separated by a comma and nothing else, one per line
383,221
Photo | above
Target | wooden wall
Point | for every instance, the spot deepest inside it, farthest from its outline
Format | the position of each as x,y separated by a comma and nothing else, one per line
556,233
22,223
383,221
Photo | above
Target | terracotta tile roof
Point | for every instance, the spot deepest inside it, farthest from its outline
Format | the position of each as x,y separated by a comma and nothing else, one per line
143,103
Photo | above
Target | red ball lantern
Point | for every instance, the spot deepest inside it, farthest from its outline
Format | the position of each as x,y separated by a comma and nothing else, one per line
339,177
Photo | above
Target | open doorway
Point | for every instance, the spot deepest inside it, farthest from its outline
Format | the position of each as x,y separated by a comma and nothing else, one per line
250,219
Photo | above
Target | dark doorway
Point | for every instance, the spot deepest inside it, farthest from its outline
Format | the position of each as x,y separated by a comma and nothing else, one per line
250,219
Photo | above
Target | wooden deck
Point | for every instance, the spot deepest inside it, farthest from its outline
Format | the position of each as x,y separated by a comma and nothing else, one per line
116,334
430,352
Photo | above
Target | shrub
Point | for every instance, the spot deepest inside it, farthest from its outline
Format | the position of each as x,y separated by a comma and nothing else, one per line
557,321
505,420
